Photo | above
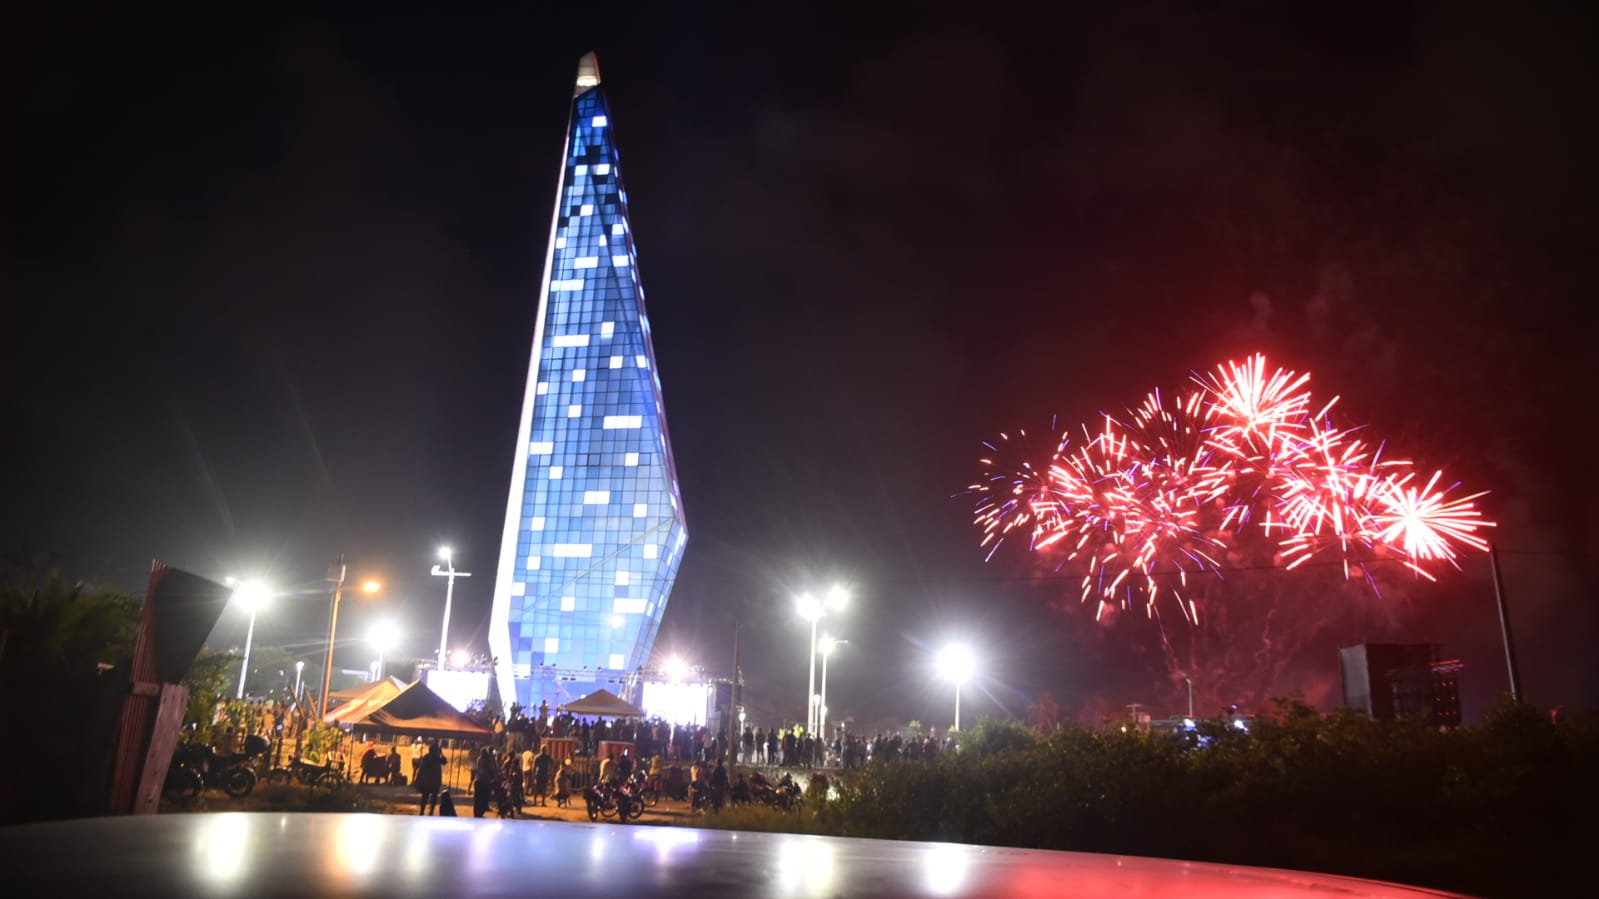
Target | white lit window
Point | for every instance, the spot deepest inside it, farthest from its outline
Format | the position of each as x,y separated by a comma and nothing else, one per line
570,340
588,209
566,285
579,374
640,510
613,422
619,261
616,658
552,645
602,240
596,497
616,361
618,229
600,122
574,410
603,168
587,262
651,551
630,460
572,550
540,448
536,524
543,388
622,579
533,563
560,243
628,606
581,170
518,588
607,329
568,604
642,362
556,472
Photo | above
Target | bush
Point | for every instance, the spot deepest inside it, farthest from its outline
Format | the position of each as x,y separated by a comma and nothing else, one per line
1501,808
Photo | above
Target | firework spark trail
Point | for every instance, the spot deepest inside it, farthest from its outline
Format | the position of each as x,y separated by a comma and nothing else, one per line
1242,456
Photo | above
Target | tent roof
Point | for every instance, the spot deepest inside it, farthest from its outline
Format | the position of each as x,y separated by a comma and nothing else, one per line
349,693
604,702
360,701
419,711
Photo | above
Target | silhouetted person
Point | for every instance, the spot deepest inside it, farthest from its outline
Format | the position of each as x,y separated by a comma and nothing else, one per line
430,779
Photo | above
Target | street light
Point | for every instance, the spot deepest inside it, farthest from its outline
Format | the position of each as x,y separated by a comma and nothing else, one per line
450,574
828,645
336,574
253,599
816,610
956,664
1190,682
384,635
299,669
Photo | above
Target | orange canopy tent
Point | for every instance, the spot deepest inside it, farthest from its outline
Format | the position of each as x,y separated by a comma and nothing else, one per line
358,702
420,712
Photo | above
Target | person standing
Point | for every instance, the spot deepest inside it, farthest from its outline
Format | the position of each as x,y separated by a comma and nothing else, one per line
542,764
527,769
430,777
483,776
418,751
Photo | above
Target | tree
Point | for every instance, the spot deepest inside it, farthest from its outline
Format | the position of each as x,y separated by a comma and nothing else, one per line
211,680
1044,714
47,623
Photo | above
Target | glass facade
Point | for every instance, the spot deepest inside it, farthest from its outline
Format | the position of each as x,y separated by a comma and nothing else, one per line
594,527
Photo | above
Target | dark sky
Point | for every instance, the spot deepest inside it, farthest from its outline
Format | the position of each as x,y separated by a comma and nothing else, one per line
270,287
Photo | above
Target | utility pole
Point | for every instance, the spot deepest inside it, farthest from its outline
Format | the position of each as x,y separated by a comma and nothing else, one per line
1504,623
732,704
336,577
450,573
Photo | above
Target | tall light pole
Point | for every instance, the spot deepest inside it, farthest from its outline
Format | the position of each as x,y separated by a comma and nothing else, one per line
253,598
449,573
956,664
383,637
816,610
336,573
299,669
1190,682
828,645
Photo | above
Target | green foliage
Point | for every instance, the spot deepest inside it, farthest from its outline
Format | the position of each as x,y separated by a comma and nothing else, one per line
211,678
319,741
991,736
1499,808
51,624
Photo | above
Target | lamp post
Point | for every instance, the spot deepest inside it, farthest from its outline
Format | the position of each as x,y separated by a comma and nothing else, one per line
336,574
1190,682
299,669
828,645
449,573
383,638
956,664
253,598
816,610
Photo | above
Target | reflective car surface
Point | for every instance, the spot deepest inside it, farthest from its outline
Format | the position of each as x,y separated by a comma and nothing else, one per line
240,854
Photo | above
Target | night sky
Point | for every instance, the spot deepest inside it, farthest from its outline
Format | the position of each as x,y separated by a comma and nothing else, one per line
270,286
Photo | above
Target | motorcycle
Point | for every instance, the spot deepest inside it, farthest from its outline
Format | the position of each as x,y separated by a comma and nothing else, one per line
647,794
231,772
325,777
612,801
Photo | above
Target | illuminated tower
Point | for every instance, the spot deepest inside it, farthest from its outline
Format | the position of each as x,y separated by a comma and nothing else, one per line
594,526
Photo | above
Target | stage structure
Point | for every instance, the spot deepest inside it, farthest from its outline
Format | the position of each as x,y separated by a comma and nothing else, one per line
594,526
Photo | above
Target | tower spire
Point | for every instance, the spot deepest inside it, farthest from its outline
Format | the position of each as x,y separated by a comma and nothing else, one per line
588,73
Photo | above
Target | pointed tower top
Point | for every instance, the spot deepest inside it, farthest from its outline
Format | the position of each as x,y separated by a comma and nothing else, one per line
588,73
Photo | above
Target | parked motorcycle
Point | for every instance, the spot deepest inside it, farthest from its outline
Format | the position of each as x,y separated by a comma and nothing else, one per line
612,801
230,772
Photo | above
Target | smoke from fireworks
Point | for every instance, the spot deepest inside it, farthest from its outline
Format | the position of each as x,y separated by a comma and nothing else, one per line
1243,456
